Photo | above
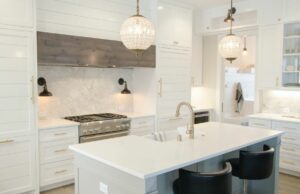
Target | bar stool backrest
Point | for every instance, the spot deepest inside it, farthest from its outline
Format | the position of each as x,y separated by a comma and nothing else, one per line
256,165
206,183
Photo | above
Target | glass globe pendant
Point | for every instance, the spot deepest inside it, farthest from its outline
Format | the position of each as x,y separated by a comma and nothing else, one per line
137,32
231,45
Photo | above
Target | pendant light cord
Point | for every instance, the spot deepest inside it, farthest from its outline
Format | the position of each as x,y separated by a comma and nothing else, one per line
138,7
231,15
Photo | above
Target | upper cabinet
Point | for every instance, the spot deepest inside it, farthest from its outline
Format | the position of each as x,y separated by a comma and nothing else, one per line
174,26
291,10
271,12
17,13
269,63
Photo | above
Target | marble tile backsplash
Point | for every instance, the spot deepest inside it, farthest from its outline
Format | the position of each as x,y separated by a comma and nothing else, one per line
79,90
281,102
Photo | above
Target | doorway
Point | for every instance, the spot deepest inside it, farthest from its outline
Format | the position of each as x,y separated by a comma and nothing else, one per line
238,82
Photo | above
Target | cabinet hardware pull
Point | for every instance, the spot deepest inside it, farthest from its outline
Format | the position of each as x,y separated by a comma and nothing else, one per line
288,149
59,134
33,89
58,151
7,141
175,119
193,81
61,171
288,162
289,128
289,138
160,87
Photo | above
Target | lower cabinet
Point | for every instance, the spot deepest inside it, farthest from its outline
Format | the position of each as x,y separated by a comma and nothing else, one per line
56,160
142,126
290,143
17,164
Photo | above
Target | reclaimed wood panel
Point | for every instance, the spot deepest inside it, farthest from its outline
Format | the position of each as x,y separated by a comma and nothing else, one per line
66,50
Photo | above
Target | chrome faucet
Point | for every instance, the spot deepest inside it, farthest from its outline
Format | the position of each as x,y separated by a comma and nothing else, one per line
190,131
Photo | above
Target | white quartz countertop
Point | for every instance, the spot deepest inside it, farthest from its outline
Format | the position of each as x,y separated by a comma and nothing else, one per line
145,158
275,117
55,123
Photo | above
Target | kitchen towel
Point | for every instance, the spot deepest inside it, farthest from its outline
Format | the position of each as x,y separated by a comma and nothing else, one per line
239,98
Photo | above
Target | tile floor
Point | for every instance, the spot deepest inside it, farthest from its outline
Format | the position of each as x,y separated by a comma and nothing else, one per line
287,185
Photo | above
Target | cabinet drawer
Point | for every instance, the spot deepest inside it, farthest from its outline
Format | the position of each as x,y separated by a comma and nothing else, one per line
290,162
288,127
260,123
290,149
17,163
56,151
56,172
142,122
58,134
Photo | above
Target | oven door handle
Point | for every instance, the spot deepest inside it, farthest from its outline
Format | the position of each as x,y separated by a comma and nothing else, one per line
201,115
103,136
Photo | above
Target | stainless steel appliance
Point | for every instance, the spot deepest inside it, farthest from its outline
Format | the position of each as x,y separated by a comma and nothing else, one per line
202,117
101,126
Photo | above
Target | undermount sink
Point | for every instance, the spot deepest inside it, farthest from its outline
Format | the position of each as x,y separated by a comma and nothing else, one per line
172,135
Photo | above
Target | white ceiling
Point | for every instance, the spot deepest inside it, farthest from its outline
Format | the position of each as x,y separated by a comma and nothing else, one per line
207,3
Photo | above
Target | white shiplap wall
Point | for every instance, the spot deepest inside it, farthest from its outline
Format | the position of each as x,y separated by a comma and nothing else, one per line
89,18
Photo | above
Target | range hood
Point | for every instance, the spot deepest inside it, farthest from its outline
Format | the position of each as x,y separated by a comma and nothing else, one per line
75,51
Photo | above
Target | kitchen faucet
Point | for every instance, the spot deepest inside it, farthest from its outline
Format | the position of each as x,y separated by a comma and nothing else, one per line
190,131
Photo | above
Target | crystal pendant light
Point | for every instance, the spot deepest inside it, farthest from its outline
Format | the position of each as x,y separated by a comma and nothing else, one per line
137,32
230,45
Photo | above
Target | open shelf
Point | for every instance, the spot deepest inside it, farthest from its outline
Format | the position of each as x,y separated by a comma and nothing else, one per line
291,37
291,54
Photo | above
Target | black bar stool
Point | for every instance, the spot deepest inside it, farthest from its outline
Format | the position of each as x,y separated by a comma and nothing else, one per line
253,165
204,183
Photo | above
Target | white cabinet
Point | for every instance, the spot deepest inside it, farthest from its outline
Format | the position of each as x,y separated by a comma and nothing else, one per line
271,16
174,80
17,83
17,164
196,70
268,70
56,160
260,123
291,10
17,111
174,61
174,27
142,126
18,13
290,146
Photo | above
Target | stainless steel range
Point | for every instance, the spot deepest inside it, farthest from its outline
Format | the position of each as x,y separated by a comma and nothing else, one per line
101,126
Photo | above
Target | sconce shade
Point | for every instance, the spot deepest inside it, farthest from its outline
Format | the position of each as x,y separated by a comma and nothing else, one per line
125,90
45,92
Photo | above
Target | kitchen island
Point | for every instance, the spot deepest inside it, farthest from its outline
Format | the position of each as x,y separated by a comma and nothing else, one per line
138,165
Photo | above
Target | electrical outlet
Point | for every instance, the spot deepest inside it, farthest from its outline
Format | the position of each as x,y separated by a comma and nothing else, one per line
103,188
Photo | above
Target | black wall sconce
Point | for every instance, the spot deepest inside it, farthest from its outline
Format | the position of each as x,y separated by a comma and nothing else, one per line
42,82
122,82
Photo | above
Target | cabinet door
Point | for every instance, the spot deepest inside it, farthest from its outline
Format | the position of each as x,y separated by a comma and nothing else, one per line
291,10
16,82
196,70
17,164
268,70
174,80
271,16
17,12
174,26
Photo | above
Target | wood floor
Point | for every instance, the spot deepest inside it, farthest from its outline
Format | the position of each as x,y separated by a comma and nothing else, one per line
287,185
